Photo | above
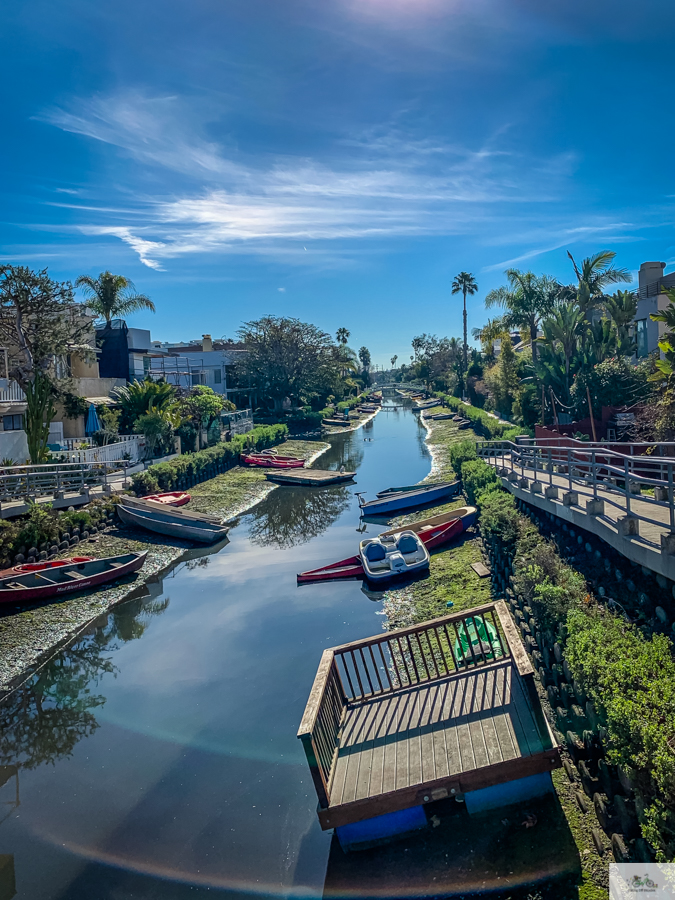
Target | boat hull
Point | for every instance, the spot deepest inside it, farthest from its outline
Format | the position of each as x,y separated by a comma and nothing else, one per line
170,498
408,500
129,563
184,529
273,462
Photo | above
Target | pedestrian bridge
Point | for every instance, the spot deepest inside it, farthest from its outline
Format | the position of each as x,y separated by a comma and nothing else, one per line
622,494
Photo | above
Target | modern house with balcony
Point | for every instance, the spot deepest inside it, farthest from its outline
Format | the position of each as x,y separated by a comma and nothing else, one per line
651,299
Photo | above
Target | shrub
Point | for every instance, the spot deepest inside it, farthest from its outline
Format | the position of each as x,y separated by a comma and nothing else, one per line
498,516
483,423
177,473
477,478
460,453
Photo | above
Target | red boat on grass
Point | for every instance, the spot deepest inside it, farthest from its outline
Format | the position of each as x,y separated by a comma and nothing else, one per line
57,581
433,532
274,461
45,564
170,498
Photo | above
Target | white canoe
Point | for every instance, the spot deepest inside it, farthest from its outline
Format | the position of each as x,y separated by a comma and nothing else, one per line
172,526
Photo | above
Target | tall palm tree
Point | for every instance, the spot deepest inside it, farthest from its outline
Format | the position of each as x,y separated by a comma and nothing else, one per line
342,335
527,300
593,276
110,296
562,332
465,283
393,360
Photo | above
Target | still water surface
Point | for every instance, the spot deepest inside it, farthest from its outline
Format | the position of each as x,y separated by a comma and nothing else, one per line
157,755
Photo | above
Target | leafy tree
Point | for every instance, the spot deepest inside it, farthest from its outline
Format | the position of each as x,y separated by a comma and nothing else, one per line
199,409
502,379
157,425
135,400
489,333
611,382
290,359
594,275
364,356
465,283
527,300
342,335
665,367
40,325
111,296
437,361
110,423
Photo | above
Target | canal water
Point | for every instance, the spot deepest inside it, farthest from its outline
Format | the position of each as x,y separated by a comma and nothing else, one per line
156,757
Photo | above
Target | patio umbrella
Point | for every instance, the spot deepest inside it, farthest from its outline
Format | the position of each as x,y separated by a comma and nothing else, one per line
93,422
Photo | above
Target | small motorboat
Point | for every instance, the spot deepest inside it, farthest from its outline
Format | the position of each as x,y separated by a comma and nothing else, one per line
170,498
390,556
397,501
45,564
414,487
172,523
28,587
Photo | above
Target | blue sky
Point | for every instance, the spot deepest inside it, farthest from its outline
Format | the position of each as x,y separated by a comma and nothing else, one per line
339,161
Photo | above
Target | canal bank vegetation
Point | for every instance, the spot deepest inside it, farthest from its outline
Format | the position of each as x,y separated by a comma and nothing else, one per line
610,683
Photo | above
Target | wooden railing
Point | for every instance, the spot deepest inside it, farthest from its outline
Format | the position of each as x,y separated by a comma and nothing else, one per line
400,660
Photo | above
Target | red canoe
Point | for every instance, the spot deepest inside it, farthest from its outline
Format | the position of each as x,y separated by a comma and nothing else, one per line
431,536
273,462
170,498
29,587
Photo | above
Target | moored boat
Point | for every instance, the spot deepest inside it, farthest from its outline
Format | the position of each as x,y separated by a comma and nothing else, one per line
45,564
438,530
162,510
408,499
393,555
171,523
28,587
170,498
415,487
273,461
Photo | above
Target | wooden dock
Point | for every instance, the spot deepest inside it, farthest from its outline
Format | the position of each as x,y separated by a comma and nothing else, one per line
416,715
314,477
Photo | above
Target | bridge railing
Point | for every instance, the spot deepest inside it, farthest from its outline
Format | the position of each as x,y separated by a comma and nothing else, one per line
623,478
50,479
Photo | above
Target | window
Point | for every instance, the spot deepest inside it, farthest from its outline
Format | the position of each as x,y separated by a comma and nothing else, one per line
217,376
146,365
197,378
12,423
641,338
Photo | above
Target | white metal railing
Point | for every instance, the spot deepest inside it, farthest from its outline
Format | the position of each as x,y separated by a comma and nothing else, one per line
50,479
130,447
11,392
619,475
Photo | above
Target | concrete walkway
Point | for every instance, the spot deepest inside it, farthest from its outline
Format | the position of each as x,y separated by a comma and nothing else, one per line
648,543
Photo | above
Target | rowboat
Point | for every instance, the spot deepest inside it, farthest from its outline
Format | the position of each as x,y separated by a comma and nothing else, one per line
160,509
170,498
438,530
28,587
170,523
393,555
433,532
400,500
414,487
275,462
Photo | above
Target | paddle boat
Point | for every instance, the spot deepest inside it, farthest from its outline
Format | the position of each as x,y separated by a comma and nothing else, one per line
29,587
389,556
170,498
433,532
397,501
180,523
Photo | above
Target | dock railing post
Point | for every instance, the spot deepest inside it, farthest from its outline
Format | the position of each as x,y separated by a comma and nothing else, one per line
595,476
569,468
550,466
670,497
626,484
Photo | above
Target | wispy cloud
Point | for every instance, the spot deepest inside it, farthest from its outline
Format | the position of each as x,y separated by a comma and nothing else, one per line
380,184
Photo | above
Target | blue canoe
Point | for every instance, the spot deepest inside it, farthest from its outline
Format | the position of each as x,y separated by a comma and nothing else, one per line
409,499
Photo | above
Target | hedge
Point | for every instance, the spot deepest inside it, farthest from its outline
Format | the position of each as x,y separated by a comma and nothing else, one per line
191,468
482,421
627,672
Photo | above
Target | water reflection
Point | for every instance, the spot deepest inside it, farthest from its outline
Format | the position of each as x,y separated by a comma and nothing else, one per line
43,720
292,516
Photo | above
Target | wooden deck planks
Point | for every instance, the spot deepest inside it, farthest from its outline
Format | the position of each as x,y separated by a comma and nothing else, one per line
455,725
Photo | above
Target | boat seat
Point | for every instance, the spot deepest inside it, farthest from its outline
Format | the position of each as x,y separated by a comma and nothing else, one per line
75,575
115,565
378,566
375,552
407,544
13,585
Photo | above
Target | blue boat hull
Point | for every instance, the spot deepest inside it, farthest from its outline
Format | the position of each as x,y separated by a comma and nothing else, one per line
409,500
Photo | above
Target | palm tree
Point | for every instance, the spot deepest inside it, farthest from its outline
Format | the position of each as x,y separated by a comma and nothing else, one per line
489,333
342,335
465,283
110,296
562,332
527,300
393,360
594,274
